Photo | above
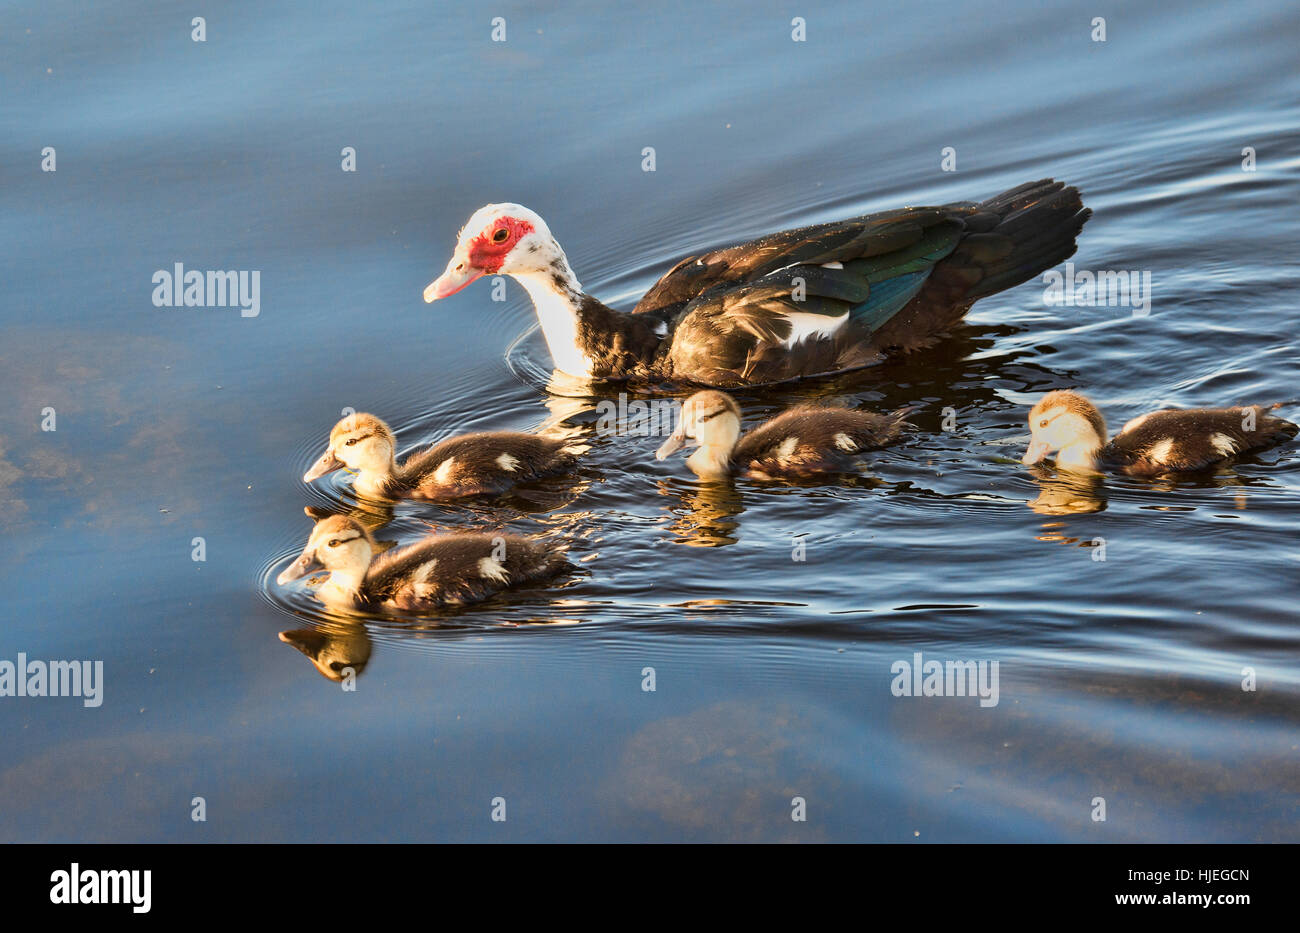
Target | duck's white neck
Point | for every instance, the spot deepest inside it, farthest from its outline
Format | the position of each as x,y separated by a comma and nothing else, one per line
557,297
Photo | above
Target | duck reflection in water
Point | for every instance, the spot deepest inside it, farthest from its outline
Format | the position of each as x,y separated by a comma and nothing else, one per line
1067,493
338,649
706,516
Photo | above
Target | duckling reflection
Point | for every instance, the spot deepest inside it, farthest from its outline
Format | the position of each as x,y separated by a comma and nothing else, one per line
706,516
1067,493
335,648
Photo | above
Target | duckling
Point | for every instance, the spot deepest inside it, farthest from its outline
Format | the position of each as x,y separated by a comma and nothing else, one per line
803,441
468,465
1166,441
446,570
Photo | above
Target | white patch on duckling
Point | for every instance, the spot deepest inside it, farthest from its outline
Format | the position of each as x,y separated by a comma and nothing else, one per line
424,573
508,463
493,569
1160,452
787,448
844,442
832,265
1223,444
442,475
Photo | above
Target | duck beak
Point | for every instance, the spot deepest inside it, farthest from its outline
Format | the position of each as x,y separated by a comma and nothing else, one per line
672,445
299,568
328,463
1036,452
459,273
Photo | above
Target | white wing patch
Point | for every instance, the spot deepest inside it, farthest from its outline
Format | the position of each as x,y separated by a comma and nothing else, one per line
1223,444
508,463
832,265
493,569
1160,452
844,442
804,326
787,448
442,475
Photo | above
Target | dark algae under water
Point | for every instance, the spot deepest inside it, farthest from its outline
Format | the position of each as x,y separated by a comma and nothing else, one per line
1145,631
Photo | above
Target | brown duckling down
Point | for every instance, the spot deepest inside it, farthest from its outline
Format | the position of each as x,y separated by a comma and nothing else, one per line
1166,441
465,465
439,570
804,441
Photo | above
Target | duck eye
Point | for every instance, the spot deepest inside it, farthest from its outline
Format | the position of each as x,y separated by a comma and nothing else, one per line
501,235
1043,423
353,440
334,542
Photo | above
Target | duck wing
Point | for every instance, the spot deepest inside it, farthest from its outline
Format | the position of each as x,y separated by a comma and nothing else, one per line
835,296
891,236
803,319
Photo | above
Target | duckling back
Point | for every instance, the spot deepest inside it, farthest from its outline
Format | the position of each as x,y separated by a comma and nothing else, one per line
1186,440
459,568
809,439
485,462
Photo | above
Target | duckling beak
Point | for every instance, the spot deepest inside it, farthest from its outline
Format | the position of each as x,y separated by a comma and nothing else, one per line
672,445
458,274
328,463
308,641
299,568
1036,452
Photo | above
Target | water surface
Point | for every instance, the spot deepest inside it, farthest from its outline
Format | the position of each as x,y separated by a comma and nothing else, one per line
1119,678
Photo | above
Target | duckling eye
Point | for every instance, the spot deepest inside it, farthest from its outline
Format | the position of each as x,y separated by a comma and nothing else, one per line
353,440
501,235
333,542
1043,423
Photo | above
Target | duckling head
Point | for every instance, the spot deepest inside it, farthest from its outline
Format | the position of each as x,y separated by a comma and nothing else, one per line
500,239
342,546
1066,422
711,419
360,442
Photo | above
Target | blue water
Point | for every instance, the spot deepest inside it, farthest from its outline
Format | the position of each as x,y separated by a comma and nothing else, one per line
1119,678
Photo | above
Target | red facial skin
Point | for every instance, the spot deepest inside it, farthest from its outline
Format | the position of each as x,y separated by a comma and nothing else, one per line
487,255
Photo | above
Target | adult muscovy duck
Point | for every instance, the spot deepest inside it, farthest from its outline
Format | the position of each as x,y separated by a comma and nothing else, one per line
812,301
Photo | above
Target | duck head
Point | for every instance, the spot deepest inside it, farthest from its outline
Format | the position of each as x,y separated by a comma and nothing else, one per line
363,444
343,547
1069,423
712,420
501,239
